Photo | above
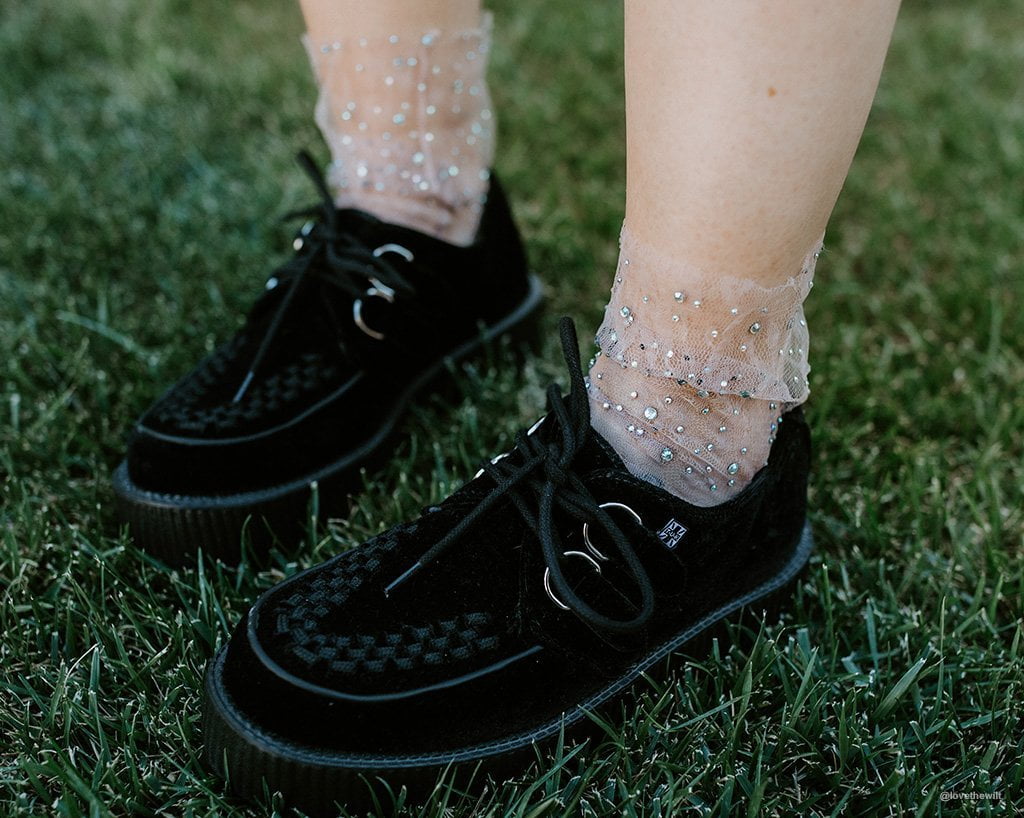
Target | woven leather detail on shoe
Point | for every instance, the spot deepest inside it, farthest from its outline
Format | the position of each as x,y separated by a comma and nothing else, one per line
299,624
310,602
201,403
446,641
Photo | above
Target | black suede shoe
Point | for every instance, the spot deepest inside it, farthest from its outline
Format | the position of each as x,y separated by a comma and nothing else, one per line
537,592
364,318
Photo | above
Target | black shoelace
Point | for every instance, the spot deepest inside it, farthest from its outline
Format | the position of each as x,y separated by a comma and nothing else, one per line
333,255
542,480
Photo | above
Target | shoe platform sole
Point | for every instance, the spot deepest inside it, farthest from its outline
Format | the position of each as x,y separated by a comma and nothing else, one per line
173,527
314,780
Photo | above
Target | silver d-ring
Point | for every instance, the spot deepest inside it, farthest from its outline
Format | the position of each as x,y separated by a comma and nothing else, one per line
547,575
376,290
381,290
404,252
586,528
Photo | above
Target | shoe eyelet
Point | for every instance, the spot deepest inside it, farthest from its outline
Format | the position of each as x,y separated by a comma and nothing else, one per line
547,576
494,460
299,242
586,528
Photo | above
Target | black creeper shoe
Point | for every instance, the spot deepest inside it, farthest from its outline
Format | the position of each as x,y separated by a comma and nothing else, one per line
366,317
540,590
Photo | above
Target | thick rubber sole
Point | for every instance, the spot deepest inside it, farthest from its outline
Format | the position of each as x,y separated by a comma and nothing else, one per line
173,527
315,780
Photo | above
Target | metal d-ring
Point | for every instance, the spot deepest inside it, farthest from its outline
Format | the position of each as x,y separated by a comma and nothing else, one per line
404,252
547,575
378,290
586,528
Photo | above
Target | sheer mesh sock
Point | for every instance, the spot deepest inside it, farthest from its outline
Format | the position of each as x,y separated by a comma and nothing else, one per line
409,125
695,371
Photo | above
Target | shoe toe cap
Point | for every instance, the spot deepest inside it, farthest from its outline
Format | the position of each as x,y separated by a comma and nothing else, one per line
197,440
318,661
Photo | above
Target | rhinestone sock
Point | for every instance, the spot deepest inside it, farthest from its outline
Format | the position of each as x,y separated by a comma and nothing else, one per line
695,371
409,124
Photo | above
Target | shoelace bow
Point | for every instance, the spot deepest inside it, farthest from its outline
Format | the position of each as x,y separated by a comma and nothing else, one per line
543,480
330,253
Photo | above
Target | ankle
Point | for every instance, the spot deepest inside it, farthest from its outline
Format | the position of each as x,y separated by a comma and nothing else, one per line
696,370
455,225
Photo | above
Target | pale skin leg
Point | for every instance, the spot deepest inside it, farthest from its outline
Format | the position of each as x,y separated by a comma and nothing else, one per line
742,119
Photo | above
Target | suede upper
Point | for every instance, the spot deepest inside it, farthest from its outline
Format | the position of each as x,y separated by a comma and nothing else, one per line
321,379
471,650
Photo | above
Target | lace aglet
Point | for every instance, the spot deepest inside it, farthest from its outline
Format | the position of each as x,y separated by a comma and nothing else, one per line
408,572
243,387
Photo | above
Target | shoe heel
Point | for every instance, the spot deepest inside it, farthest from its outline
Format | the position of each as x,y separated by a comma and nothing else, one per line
743,625
521,331
517,336
526,335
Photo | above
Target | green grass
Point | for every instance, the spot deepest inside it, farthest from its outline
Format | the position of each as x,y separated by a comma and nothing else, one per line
146,152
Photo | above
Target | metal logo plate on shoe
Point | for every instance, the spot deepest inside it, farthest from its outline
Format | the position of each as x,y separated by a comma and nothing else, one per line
671,533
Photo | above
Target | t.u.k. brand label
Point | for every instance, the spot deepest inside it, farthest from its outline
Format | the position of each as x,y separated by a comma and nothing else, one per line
671,533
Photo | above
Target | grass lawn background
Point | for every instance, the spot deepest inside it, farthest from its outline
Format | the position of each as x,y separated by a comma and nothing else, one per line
146,151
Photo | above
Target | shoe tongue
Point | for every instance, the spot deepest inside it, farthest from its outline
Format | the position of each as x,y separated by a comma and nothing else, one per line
362,224
307,324
595,454
374,232
600,451
303,325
